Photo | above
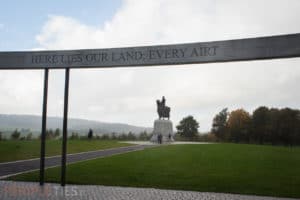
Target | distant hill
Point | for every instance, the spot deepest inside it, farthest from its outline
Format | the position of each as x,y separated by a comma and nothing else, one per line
32,123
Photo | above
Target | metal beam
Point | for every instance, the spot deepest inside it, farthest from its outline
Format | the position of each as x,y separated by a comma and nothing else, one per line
65,128
282,46
44,124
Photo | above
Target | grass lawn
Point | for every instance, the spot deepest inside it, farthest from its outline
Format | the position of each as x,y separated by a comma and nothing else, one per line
18,150
230,168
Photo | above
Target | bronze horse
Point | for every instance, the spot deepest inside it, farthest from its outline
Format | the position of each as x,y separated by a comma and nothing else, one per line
163,110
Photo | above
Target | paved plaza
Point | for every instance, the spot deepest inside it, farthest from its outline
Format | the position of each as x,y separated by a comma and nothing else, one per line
10,190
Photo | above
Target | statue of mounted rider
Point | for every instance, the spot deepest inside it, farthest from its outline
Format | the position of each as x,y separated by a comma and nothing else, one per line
163,110
162,129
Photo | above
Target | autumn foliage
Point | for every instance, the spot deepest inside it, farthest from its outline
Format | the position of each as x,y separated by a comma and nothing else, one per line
263,126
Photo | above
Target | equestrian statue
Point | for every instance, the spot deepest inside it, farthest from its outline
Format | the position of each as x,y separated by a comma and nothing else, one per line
163,110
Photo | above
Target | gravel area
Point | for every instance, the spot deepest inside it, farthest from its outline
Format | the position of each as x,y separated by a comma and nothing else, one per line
10,190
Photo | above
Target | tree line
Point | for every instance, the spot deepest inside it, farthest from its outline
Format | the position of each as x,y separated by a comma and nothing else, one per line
112,136
56,134
264,126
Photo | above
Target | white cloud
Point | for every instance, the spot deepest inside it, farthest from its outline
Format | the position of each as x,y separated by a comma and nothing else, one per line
128,95
141,22
20,91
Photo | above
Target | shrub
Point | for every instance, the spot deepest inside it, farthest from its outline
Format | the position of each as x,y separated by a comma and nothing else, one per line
15,135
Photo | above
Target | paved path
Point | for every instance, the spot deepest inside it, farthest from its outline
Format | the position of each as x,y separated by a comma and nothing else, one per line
10,168
170,143
10,190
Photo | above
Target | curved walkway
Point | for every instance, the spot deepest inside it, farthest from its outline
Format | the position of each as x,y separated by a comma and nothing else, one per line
10,190
12,168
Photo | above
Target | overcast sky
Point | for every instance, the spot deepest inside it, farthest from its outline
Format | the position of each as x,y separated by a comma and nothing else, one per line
128,95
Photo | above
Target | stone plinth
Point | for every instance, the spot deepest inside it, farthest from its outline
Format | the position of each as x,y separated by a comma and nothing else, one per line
163,127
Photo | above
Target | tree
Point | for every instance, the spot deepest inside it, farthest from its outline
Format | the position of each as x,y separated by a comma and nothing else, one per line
188,127
57,133
219,126
273,125
104,137
143,136
260,124
0,135
288,124
114,136
297,137
49,134
90,134
131,136
74,136
29,136
123,136
239,122
15,135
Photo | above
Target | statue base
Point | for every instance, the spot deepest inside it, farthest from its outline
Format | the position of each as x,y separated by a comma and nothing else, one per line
163,128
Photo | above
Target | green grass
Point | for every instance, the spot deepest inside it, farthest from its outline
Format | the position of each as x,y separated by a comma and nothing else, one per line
18,150
230,168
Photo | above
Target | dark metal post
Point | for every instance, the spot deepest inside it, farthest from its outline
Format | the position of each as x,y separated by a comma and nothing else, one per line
65,129
44,123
